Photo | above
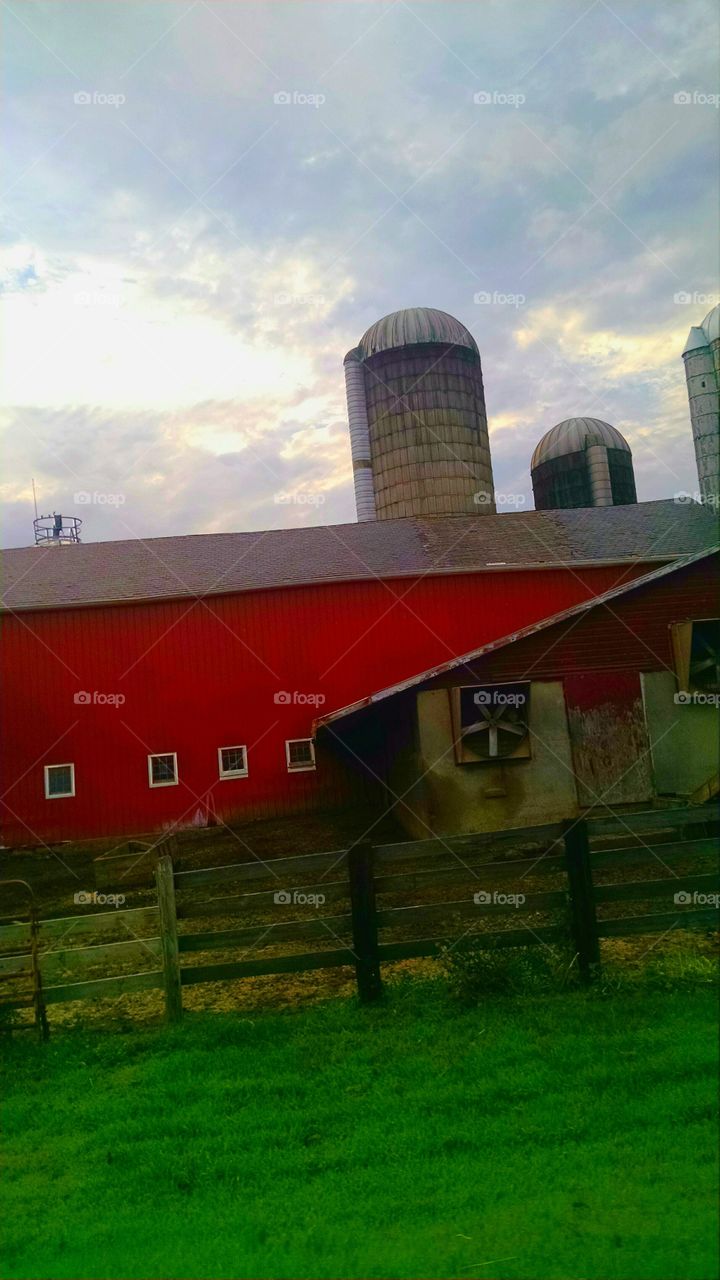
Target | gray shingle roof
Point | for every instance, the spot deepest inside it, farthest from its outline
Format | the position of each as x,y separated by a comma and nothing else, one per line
217,563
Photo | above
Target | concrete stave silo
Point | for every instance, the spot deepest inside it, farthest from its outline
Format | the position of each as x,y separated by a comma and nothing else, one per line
418,426
582,462
702,373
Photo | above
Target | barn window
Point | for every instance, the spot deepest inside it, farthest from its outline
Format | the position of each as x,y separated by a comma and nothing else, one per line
232,762
162,770
490,722
59,780
696,651
300,754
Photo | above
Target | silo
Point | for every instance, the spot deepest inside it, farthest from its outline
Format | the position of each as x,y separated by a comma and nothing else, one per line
582,462
702,373
418,427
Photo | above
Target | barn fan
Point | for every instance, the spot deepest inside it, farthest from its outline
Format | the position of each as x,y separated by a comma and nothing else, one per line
705,657
498,731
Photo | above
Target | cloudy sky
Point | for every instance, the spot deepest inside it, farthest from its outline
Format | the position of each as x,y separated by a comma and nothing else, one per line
205,204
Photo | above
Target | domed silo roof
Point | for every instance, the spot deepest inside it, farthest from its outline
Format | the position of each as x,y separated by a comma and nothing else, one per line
574,434
701,335
414,325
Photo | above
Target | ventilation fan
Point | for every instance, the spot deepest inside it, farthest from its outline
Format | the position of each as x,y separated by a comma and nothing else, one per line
492,722
705,656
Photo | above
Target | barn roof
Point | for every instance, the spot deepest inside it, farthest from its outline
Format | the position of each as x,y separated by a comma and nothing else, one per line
218,563
565,615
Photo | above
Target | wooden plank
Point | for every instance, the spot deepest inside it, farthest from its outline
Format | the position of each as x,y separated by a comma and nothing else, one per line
279,869
91,922
491,873
582,899
164,880
138,950
15,966
649,853
417,947
387,854
270,965
332,891
104,988
268,934
638,890
468,907
660,923
652,820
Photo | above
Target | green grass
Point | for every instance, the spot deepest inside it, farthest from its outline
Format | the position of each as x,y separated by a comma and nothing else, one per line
555,1136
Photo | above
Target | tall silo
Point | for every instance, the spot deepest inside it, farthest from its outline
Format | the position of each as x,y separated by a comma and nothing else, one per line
582,462
418,427
702,373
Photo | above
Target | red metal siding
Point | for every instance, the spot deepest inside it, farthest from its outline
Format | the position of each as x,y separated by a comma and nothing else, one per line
197,675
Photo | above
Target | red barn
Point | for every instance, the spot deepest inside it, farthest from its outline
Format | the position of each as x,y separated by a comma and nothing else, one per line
176,681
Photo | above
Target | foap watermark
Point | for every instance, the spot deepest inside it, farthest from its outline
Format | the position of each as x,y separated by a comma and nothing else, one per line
696,98
297,699
696,699
498,98
298,898
499,698
300,299
301,498
83,98
297,98
486,898
97,298
83,498
83,698
683,498
91,898
686,898
684,298
483,497
483,298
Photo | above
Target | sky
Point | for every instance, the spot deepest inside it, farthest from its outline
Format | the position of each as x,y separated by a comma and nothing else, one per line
205,204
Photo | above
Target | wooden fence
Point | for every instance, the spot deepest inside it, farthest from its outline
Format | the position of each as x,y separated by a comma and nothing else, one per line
366,906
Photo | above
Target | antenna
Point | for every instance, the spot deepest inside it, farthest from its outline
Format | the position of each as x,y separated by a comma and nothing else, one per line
35,499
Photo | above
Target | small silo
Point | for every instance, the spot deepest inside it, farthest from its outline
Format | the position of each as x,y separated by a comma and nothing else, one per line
418,427
702,373
582,462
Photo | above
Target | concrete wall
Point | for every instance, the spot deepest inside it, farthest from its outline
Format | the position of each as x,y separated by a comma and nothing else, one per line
684,739
447,799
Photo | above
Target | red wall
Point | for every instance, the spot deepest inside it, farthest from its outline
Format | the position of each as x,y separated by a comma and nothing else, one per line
196,675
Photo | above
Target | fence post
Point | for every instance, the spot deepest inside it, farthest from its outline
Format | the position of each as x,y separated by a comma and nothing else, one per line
165,881
41,1021
582,897
364,922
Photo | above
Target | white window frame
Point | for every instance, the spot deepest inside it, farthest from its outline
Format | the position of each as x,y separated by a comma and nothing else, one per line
155,756
59,795
232,773
299,768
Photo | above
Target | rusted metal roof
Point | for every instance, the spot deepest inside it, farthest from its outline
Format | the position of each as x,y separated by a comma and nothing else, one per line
413,325
198,565
565,615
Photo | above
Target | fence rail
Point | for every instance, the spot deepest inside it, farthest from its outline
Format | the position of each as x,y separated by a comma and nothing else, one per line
386,903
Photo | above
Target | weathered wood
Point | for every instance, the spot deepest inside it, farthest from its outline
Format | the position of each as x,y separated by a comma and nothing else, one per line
104,988
418,947
364,922
89,922
41,1022
681,917
264,933
470,872
426,911
332,891
652,820
655,854
139,950
638,890
263,967
169,938
582,903
282,870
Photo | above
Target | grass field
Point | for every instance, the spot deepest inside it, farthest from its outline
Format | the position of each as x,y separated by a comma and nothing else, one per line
557,1136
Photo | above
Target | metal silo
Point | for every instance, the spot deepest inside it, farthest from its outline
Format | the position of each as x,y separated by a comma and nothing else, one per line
582,462
702,373
418,427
